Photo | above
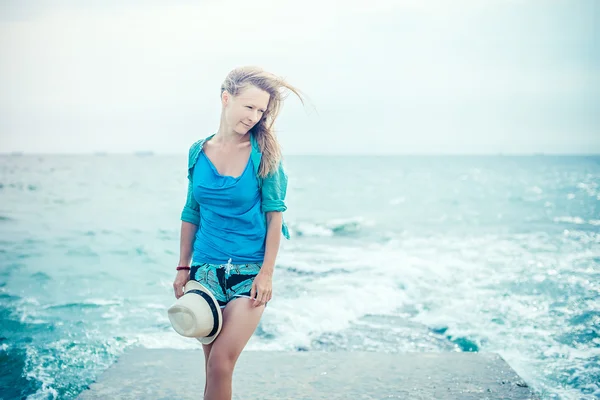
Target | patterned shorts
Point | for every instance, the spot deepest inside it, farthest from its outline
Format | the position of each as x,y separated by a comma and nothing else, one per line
226,281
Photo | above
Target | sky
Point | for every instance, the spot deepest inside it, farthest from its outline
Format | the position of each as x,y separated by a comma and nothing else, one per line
380,77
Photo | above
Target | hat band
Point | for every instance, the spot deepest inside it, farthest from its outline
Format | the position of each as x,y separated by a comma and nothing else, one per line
212,306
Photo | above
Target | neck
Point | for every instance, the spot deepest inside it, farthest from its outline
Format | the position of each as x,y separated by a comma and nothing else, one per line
229,136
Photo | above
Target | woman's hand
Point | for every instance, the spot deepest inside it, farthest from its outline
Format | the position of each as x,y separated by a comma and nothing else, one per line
262,288
183,276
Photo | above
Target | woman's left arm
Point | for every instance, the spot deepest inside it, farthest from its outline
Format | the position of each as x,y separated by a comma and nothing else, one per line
262,287
274,221
273,193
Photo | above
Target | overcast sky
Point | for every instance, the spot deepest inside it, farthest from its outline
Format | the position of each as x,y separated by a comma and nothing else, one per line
413,76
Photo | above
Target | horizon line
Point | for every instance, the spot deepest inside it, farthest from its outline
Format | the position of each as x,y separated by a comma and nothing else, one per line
150,153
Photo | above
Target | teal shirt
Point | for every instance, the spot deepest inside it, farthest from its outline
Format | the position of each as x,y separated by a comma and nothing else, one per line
273,187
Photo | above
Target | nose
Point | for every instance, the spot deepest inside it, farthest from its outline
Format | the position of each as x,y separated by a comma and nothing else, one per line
254,117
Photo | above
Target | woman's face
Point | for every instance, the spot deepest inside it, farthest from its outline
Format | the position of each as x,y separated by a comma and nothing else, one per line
244,111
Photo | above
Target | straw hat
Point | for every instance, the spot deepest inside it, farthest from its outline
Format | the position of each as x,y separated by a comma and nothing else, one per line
197,313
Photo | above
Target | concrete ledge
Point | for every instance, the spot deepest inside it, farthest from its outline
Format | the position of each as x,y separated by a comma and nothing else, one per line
179,374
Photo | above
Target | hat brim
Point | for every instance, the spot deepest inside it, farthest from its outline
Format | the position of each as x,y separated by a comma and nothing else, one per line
195,285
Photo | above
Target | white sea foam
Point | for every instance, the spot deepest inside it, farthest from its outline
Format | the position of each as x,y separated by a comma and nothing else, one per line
397,200
37,370
103,302
576,220
589,188
307,229
536,189
331,227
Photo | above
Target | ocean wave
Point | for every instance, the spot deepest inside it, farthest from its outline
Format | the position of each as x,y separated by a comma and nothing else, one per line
41,276
577,220
20,186
589,188
65,367
320,273
334,227
397,200
328,296
90,303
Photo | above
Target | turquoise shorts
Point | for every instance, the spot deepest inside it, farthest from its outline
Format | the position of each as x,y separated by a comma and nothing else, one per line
226,281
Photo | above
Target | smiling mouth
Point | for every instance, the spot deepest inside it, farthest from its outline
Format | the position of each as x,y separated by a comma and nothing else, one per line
247,125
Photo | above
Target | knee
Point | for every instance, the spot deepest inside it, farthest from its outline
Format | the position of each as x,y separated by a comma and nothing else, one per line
220,363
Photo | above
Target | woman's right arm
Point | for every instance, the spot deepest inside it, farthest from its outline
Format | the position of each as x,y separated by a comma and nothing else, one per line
186,245
190,220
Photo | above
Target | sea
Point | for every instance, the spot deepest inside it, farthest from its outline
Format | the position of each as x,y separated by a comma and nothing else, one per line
495,253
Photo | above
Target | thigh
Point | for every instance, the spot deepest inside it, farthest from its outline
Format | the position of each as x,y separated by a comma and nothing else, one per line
240,319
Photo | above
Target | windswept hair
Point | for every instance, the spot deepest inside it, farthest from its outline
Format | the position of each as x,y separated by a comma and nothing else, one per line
264,132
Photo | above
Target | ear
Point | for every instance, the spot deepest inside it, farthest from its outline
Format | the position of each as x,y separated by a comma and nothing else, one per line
225,98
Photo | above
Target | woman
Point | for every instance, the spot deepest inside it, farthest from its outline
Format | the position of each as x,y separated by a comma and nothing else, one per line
232,220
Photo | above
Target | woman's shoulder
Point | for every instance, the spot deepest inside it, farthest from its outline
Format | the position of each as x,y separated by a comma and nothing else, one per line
196,146
194,151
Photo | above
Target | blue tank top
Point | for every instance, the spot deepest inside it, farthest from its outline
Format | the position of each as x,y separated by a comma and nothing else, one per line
232,225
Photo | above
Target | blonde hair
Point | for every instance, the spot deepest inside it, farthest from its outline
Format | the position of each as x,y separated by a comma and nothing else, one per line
264,131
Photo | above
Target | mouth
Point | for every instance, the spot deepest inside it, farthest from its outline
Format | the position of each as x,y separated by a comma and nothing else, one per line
246,125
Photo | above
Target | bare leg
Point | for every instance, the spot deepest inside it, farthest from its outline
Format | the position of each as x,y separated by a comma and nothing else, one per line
206,348
240,319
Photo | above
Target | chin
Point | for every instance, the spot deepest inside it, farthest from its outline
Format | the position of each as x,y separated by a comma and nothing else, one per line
243,130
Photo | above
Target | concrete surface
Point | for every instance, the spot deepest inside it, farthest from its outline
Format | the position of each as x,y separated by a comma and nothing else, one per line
179,374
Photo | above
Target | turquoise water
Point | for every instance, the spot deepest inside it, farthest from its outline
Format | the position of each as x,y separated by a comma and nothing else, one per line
388,254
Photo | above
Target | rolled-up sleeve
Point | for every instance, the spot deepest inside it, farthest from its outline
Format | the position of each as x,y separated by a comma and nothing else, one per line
191,209
274,190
